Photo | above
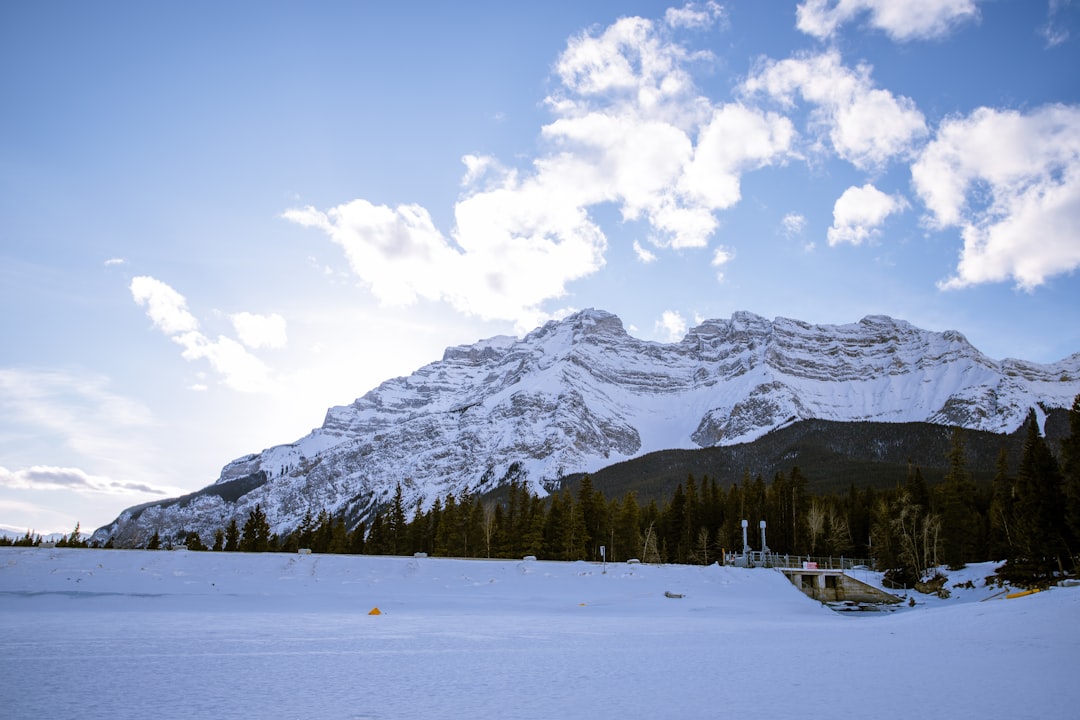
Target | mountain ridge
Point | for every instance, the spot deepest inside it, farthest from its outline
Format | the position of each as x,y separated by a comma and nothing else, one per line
580,394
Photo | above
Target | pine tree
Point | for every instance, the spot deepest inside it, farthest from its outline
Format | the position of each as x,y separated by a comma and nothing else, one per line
628,540
1070,470
960,522
74,539
395,526
232,536
155,542
256,532
193,541
1038,514
1001,509
219,540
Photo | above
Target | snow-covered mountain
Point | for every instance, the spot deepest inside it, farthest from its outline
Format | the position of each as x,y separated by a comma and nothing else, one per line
579,394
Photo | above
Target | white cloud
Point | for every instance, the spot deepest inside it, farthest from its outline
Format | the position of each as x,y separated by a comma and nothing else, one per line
901,20
1054,31
721,257
167,309
626,116
44,477
259,331
240,370
79,421
858,213
693,15
1010,181
736,139
672,324
866,126
164,306
115,261
793,224
643,254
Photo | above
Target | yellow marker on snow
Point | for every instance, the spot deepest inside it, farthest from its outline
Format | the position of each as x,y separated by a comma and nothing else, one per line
1010,596
375,611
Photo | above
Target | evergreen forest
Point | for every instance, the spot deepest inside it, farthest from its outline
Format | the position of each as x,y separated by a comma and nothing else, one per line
1027,514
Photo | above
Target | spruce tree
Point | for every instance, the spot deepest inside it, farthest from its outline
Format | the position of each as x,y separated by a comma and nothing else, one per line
1001,509
960,522
627,542
232,536
395,526
1070,470
1038,513
256,532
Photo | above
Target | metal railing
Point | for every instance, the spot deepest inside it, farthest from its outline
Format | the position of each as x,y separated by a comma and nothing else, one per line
780,561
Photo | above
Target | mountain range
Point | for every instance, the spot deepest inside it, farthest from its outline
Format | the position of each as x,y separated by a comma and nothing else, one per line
580,394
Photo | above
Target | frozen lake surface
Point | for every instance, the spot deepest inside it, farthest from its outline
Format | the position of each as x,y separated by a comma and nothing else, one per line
124,633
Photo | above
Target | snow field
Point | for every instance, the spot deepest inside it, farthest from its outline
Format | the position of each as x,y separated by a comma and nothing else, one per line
111,633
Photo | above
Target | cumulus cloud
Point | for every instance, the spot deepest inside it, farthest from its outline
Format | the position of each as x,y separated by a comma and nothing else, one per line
672,324
259,331
1010,181
901,20
858,213
167,309
865,125
44,477
629,129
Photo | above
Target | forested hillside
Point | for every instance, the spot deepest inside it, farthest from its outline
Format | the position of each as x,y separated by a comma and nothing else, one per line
911,497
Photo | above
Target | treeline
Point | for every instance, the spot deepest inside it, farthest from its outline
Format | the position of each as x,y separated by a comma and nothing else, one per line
1029,517
30,539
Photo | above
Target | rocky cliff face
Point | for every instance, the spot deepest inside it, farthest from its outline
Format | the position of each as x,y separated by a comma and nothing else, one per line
580,394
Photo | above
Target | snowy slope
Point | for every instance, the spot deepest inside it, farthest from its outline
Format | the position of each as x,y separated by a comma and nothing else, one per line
580,394
116,634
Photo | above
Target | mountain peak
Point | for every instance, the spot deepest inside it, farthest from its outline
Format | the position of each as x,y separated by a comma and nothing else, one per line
579,394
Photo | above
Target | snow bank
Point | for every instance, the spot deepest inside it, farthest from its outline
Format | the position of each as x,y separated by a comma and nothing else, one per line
100,633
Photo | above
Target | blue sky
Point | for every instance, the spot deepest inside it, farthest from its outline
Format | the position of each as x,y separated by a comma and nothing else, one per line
219,219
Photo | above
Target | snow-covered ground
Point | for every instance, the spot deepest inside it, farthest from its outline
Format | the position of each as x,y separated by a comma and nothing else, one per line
128,633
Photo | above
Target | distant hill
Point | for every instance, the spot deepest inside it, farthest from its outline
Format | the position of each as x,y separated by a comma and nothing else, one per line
831,455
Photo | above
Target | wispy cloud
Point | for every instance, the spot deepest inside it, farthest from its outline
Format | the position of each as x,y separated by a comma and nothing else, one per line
793,224
78,419
695,15
721,257
78,408
644,254
260,331
1054,31
240,370
901,20
43,477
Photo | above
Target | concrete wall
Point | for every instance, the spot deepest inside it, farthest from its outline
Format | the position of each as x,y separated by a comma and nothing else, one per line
835,586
